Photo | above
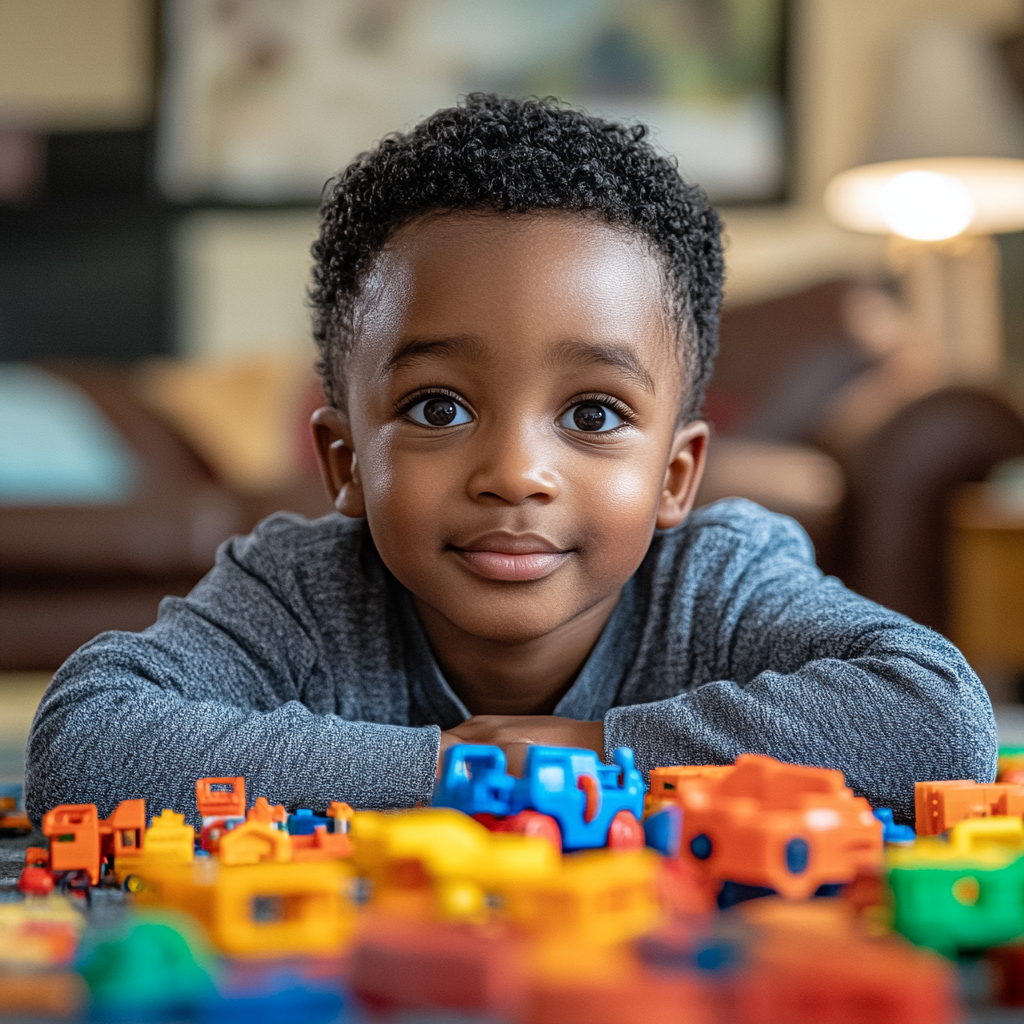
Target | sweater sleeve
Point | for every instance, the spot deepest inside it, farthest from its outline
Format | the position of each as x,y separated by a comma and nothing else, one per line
214,688
787,662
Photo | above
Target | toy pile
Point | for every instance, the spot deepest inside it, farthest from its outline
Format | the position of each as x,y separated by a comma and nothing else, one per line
761,892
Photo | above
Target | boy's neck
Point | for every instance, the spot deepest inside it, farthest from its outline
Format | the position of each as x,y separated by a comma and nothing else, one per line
528,678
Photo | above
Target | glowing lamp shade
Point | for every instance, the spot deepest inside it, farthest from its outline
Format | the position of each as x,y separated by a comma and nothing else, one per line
926,206
930,199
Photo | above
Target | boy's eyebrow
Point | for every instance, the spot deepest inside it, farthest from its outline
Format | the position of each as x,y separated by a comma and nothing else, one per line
460,346
622,357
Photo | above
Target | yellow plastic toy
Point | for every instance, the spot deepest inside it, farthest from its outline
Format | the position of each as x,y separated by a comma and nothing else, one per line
992,841
599,897
256,841
440,863
261,910
168,840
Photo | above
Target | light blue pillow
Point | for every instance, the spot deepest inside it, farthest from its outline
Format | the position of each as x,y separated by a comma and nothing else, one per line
56,447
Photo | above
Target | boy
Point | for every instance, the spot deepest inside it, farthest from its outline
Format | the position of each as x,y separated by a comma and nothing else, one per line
516,307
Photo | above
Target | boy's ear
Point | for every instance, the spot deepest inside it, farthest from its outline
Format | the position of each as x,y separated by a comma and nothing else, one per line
683,473
332,439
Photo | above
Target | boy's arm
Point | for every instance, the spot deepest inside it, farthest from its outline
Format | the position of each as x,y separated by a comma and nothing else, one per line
796,666
216,687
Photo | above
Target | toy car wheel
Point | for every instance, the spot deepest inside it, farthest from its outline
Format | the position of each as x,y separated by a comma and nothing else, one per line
532,823
625,832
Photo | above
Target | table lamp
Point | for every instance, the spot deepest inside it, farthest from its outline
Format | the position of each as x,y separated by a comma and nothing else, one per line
946,172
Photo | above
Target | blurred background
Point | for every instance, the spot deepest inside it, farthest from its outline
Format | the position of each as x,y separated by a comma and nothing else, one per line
160,167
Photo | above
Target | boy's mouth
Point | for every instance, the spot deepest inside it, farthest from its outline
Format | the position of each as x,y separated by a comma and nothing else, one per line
511,556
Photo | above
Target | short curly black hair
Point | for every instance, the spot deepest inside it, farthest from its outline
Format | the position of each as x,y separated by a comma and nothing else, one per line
518,156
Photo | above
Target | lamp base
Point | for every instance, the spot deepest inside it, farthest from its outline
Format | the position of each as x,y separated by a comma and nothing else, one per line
951,290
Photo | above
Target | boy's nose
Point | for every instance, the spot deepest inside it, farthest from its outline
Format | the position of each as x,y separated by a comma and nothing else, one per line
512,471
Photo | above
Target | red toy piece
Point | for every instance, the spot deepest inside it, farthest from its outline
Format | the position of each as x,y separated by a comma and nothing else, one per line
36,881
410,966
938,806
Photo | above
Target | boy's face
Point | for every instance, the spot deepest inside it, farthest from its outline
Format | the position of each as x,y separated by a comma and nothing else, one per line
511,433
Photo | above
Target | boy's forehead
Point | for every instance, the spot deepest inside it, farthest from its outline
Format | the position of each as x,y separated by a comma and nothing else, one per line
493,277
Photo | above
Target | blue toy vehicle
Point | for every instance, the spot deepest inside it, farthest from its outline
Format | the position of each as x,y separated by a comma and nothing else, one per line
566,795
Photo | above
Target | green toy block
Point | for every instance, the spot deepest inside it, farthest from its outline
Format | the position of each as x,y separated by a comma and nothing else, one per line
957,906
151,963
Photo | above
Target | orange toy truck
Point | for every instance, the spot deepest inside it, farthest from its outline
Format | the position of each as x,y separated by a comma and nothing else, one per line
770,825
81,843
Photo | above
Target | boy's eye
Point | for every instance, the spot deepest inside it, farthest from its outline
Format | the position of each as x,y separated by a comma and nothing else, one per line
591,417
439,411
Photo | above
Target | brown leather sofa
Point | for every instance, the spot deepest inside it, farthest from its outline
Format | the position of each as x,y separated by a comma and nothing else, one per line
874,505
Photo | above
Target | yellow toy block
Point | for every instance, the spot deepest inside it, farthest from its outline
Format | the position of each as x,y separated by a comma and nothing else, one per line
168,840
599,897
261,910
437,862
982,841
255,841
40,932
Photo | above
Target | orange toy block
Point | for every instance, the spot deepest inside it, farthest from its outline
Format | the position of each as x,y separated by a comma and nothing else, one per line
221,797
122,833
274,815
74,834
321,845
938,806
789,827
667,782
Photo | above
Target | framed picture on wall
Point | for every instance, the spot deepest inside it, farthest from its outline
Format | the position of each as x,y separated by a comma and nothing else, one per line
264,100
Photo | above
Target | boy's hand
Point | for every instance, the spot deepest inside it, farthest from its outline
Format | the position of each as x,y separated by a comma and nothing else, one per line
514,733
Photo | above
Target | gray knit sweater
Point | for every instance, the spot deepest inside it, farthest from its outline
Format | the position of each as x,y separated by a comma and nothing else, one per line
300,663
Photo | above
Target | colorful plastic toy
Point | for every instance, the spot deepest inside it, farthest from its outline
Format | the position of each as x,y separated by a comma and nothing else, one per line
813,963
600,897
13,820
964,894
891,832
938,806
565,794
260,910
221,803
152,967
767,825
438,863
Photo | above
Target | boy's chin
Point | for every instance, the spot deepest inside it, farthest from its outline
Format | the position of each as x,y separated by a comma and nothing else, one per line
526,616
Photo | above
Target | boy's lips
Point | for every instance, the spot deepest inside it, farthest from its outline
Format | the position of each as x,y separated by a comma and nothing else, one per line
511,557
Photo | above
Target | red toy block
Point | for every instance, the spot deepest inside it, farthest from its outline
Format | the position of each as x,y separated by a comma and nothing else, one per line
405,965
36,881
74,834
634,997
37,857
938,806
813,963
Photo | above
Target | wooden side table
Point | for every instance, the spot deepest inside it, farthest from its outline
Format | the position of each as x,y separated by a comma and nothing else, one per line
987,582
